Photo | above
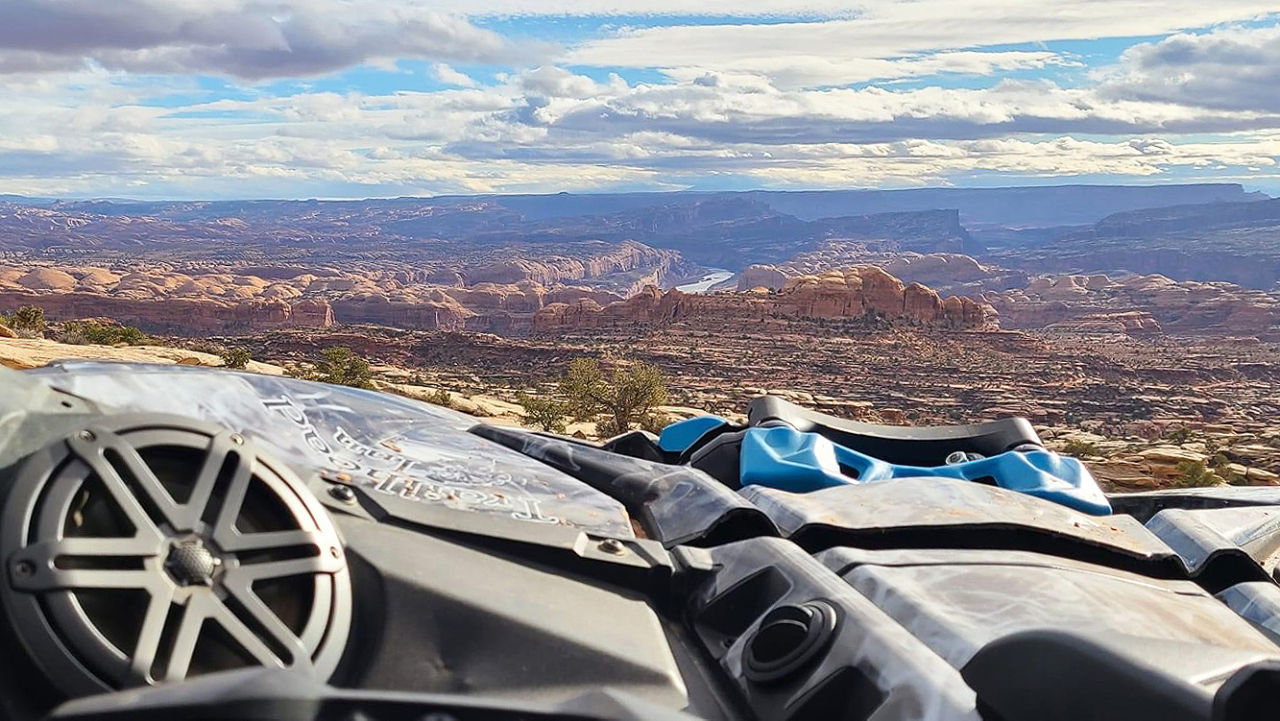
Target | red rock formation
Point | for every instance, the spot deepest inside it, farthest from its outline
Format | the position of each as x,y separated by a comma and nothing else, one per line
864,292
952,272
1128,323
47,279
764,276
220,298
315,313
441,313
1139,304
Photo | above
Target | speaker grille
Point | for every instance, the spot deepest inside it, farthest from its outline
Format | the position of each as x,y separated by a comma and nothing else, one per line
150,549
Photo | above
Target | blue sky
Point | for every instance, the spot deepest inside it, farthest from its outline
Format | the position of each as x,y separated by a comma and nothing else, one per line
359,98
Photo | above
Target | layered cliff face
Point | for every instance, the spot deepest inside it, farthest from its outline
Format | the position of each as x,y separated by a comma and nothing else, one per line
1139,304
1232,242
607,260
777,238
861,293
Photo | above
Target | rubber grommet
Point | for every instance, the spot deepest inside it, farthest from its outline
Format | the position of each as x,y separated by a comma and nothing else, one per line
787,639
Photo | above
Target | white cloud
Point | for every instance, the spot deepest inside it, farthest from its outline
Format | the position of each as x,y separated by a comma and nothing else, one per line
1228,68
447,75
549,130
817,70
733,109
761,104
240,38
884,29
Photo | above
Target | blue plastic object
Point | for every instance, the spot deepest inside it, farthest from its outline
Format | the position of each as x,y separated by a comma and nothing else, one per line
678,436
789,460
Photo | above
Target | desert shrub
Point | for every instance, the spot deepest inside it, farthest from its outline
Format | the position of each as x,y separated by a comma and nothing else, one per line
627,396
548,414
205,346
1076,447
1220,463
440,397
655,421
27,321
341,366
236,358
1195,474
72,334
1179,435
91,332
608,427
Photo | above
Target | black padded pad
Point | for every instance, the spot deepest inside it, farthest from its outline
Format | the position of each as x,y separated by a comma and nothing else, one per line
902,445
1058,676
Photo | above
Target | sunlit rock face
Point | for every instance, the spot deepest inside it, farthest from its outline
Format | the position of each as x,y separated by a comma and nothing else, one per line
859,293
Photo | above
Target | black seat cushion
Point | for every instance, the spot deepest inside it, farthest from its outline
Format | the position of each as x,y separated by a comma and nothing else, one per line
903,445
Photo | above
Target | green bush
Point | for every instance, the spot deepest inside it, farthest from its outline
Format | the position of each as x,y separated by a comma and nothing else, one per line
608,428
548,414
655,421
91,332
1220,463
627,396
236,358
341,366
72,334
440,397
205,346
1079,448
1180,435
1195,474
27,321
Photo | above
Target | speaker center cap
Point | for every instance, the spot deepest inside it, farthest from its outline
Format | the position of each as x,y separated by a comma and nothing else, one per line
191,563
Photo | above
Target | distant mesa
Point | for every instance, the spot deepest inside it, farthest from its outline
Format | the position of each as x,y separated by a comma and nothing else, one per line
1233,242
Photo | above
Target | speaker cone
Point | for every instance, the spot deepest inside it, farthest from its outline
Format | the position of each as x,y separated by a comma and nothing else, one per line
145,549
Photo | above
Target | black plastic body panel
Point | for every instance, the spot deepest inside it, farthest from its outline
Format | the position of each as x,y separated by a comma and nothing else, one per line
936,599
675,504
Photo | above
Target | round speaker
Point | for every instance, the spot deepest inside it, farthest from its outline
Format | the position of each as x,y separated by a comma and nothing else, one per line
146,548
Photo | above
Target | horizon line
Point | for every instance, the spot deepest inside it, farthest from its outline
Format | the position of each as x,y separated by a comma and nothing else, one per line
687,191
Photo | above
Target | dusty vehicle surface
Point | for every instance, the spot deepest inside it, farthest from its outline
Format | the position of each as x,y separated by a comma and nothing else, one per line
188,543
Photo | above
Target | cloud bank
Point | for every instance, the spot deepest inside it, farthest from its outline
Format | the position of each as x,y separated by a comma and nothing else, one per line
177,98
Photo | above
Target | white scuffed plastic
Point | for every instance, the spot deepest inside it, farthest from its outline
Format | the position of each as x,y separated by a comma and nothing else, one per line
386,444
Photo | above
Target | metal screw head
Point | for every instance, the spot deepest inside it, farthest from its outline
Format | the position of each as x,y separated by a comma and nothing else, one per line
86,435
237,439
343,493
612,545
24,568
